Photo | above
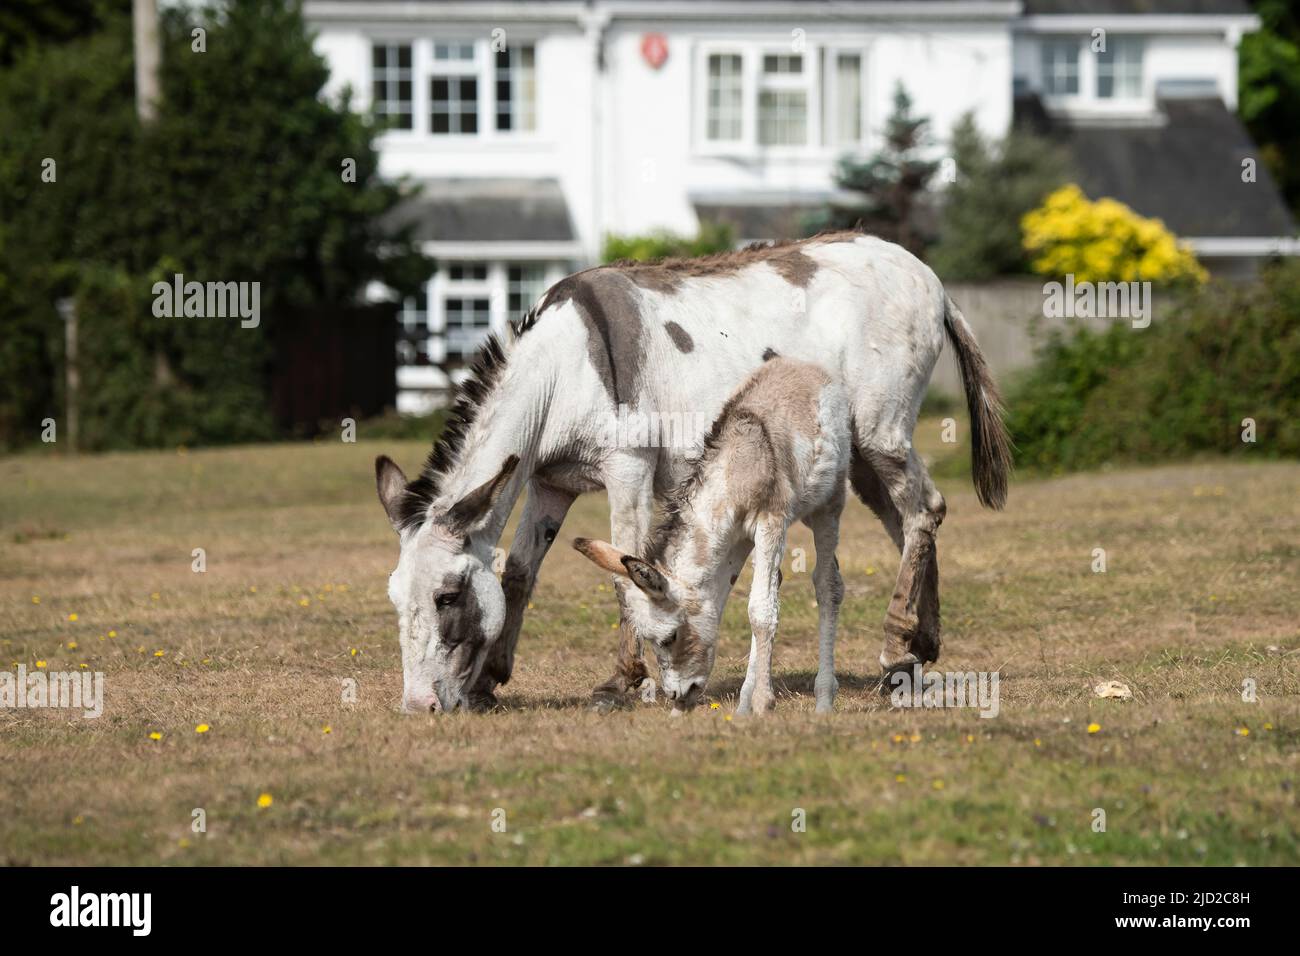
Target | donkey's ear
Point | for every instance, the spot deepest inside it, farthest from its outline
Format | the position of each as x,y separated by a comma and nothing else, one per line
601,554
474,507
392,485
646,576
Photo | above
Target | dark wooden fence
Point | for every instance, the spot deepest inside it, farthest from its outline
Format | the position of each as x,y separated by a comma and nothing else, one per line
331,363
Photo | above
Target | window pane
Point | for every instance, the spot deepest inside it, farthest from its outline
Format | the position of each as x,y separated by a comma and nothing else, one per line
725,109
390,85
516,89
1119,69
782,117
1059,60
848,98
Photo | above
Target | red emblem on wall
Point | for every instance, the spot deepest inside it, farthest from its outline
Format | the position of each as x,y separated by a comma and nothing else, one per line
654,47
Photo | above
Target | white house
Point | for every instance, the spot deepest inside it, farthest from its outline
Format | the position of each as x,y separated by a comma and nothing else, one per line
538,128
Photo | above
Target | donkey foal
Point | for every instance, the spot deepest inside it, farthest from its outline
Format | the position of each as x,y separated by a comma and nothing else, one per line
778,453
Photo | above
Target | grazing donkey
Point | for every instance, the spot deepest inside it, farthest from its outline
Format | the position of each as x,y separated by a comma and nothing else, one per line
676,336
779,453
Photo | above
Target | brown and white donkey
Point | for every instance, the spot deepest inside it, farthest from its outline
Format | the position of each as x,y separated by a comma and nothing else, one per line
670,337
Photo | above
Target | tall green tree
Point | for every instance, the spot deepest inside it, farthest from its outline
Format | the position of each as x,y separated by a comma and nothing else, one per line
1269,99
247,175
890,188
996,183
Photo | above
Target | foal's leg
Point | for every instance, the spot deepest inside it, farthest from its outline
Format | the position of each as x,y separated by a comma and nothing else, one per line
825,525
756,694
539,523
629,483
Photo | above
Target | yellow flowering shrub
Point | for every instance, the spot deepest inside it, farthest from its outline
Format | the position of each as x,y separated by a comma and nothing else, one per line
1103,241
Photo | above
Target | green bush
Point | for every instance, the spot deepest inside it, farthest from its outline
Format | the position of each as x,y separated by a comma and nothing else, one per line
1181,387
712,237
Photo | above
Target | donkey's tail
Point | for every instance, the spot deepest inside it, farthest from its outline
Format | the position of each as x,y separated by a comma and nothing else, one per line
990,446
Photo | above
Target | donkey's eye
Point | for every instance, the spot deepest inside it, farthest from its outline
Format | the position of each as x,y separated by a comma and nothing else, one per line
446,600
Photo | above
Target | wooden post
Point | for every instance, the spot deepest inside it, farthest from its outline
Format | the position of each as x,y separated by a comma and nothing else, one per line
72,380
144,14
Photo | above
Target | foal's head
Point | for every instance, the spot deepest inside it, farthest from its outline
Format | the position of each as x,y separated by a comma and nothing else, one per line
673,617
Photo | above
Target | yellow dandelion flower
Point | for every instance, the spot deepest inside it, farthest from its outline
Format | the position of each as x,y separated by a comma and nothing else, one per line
870,571
155,596
183,842
898,738
72,645
202,729
304,602
327,729
970,738
1243,731
72,616
353,651
938,785
715,706
159,653
1038,742
1093,728
78,820
40,664
252,589
112,633
265,800
1268,726
154,735
916,738
728,717
36,599
207,660
900,778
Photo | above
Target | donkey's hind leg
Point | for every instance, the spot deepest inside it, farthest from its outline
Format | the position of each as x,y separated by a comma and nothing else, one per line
894,483
825,525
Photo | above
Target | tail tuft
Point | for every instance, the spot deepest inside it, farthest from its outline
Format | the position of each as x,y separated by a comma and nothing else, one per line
990,446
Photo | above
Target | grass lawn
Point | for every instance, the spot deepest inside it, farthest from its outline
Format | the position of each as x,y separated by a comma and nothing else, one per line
1201,593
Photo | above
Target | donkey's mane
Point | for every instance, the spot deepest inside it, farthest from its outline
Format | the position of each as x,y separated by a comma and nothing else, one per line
471,396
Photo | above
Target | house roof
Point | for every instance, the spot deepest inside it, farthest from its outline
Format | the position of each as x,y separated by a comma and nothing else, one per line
1186,171
486,210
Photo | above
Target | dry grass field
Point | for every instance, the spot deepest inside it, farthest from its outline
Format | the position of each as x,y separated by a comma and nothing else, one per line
1201,593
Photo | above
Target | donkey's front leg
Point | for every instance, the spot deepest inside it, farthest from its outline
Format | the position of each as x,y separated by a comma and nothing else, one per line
756,694
539,523
629,482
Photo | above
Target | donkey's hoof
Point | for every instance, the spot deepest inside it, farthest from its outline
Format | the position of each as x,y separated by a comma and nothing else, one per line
891,661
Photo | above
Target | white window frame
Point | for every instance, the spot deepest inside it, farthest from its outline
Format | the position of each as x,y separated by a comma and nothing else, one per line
811,82
1087,100
830,63
482,68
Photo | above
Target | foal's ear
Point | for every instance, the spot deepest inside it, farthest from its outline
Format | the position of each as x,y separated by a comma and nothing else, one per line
391,484
601,554
646,576
471,509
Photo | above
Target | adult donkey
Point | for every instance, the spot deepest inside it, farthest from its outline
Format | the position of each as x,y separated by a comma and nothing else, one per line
673,336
